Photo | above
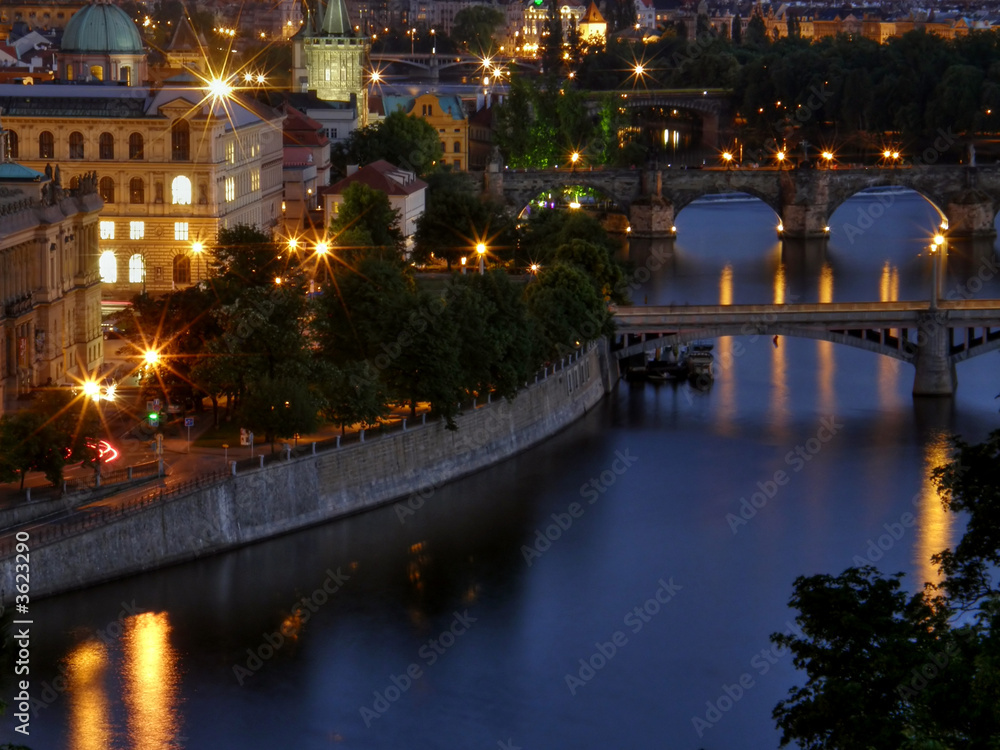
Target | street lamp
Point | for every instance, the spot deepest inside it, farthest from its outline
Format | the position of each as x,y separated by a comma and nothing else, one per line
938,245
151,356
322,248
828,158
574,158
780,156
727,158
464,259
198,248
481,250
434,48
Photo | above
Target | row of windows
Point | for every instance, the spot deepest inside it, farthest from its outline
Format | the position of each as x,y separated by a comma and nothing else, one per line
108,266
180,190
456,147
137,230
180,144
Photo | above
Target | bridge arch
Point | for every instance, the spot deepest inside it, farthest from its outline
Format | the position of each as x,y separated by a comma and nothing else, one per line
881,200
681,200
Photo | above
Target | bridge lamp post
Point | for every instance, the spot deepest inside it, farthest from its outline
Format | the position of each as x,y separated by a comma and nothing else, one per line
574,158
780,156
728,159
481,252
937,250
434,48
828,158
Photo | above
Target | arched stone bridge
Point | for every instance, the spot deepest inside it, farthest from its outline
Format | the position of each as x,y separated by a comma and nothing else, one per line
713,106
803,199
934,340
434,63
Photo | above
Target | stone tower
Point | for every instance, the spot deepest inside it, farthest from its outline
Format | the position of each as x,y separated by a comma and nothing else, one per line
332,58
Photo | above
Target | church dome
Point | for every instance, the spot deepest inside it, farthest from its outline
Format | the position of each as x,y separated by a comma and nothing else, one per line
101,27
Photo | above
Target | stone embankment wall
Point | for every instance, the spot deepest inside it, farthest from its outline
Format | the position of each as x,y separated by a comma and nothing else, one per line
288,495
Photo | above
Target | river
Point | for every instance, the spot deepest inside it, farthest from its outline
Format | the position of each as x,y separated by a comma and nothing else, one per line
459,626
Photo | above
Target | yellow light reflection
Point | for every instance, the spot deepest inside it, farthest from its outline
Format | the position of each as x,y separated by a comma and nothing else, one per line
888,368
779,285
934,523
89,717
149,672
726,286
824,349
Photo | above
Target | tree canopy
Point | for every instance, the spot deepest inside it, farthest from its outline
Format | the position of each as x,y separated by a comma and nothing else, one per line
407,141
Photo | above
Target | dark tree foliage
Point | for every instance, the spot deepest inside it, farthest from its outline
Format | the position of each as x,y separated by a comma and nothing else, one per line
408,141
886,669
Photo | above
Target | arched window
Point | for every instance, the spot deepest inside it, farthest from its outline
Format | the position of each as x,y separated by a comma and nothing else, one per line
180,191
69,71
108,266
106,149
136,190
136,269
135,146
13,145
106,188
457,147
76,145
125,75
182,269
46,145
180,141
97,72
74,182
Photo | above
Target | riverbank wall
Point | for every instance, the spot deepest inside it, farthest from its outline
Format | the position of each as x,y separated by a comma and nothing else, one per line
256,504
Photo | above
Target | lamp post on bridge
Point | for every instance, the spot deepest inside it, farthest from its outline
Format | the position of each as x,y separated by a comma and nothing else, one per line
937,250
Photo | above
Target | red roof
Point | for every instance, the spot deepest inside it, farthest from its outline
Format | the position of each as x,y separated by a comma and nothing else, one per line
382,176
301,130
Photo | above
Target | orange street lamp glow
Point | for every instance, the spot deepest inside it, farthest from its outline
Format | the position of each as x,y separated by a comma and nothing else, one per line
575,157
293,244
322,248
151,356
92,389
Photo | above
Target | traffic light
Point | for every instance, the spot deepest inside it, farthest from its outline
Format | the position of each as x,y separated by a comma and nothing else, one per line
154,418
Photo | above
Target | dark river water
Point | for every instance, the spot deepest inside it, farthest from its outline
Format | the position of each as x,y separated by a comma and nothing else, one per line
680,520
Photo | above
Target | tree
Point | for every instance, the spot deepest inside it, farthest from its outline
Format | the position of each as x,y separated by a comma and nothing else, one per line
353,394
59,425
368,211
456,218
474,27
552,40
280,407
595,260
245,256
566,310
494,335
889,670
407,141
736,31
756,32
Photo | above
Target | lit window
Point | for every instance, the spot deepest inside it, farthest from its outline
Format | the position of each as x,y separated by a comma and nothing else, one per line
136,269
231,153
180,191
180,230
108,266
136,230
230,189
107,230
255,180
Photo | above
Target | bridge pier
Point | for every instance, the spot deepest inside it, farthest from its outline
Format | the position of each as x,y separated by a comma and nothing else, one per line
970,215
805,203
935,374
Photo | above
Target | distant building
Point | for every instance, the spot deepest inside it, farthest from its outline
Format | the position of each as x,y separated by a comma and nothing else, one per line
306,169
592,28
447,116
331,58
405,190
50,294
174,164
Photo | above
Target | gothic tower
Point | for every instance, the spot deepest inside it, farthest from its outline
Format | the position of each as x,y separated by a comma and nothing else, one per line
333,59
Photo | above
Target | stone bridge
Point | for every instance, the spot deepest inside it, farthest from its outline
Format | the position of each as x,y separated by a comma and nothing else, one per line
713,106
803,199
934,337
434,63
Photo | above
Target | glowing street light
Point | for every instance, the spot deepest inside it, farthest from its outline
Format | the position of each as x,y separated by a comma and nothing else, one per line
828,158
198,248
727,158
322,248
219,88
151,356
92,389
780,156
293,244
464,260
573,159
938,244
481,251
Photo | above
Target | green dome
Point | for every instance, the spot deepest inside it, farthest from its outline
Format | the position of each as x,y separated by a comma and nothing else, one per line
100,27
